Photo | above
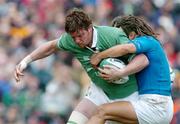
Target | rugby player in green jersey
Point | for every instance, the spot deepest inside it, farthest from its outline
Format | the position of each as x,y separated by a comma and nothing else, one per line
81,35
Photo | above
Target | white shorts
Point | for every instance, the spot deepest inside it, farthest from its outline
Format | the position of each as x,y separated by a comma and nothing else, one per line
153,109
98,97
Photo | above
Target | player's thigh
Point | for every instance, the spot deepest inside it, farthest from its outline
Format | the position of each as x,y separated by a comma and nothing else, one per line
86,107
96,97
121,110
119,120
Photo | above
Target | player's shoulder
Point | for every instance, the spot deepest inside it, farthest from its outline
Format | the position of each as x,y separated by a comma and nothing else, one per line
109,30
141,39
66,36
105,28
147,39
65,40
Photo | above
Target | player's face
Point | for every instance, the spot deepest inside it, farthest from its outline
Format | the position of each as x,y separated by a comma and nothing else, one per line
132,35
82,37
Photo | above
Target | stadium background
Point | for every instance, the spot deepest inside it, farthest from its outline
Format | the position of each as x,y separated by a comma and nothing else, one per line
53,86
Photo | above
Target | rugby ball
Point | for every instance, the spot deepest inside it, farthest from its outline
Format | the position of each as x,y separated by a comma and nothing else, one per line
118,64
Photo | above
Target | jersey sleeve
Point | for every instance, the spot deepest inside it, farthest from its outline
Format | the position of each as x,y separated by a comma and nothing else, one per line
64,42
142,45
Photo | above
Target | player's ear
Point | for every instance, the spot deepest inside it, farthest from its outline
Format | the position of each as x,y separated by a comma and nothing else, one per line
132,35
90,28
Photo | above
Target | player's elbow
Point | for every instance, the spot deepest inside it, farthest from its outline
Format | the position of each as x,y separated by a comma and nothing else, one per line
53,46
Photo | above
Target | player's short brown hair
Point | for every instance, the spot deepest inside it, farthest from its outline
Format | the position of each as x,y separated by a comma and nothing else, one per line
77,19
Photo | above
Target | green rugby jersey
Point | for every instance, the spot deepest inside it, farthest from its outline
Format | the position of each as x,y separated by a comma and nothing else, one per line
106,38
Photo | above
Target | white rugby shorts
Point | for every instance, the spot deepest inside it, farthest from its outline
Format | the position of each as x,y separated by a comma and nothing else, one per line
153,109
149,108
98,97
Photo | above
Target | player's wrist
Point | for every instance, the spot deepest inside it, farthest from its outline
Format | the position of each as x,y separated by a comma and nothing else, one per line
101,56
28,59
24,63
123,72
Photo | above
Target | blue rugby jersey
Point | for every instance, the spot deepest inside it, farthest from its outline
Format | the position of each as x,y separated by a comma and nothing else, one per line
155,78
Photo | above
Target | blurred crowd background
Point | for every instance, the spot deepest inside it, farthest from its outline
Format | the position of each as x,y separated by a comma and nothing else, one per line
53,86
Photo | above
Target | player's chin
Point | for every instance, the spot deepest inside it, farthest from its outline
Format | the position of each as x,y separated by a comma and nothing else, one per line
81,46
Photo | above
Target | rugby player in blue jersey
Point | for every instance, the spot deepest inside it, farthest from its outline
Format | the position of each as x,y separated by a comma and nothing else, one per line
155,105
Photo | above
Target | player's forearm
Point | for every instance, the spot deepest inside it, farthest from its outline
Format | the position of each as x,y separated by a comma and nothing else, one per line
41,52
117,51
136,65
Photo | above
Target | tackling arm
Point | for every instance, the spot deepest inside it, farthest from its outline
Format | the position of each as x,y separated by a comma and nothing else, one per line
137,64
44,50
115,51
112,73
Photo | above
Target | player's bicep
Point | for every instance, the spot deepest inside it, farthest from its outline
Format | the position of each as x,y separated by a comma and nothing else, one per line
129,51
130,47
49,47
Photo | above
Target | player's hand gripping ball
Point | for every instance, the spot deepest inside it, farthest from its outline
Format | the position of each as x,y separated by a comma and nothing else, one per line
118,64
